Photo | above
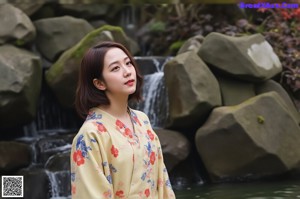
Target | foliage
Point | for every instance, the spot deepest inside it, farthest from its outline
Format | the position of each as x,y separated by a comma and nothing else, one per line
281,28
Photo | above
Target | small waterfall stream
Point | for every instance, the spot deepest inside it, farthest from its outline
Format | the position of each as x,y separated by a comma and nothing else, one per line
155,102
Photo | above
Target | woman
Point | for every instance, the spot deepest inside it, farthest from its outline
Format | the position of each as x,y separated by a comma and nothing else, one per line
115,154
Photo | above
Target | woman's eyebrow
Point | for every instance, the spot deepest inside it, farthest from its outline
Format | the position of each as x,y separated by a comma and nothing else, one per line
115,62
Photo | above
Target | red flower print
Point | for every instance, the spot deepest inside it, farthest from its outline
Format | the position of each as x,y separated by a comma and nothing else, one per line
152,157
147,192
107,194
137,120
78,158
120,124
150,134
101,127
128,132
73,189
114,151
120,194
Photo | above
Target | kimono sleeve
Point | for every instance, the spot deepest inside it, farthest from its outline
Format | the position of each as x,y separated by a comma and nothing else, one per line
164,186
87,177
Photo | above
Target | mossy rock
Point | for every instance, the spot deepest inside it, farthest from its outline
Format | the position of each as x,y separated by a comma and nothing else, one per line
63,74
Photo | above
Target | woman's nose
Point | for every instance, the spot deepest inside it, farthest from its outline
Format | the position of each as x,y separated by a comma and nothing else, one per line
127,72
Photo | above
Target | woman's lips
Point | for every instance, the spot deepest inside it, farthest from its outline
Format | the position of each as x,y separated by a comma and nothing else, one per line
130,82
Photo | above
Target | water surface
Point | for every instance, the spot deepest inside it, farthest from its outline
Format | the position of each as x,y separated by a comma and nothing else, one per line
255,190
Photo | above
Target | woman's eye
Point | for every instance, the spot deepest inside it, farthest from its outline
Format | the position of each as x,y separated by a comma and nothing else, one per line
129,63
115,68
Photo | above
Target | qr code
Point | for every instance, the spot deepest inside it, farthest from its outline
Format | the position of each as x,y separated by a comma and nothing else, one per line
12,186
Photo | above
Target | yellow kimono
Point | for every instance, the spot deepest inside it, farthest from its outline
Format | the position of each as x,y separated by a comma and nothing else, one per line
110,161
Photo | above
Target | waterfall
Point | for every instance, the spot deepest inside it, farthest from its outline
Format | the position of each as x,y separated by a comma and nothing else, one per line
58,179
155,102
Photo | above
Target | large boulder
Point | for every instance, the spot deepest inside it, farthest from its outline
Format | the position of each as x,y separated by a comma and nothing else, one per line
55,35
16,25
271,85
175,147
63,74
192,89
20,85
254,139
248,57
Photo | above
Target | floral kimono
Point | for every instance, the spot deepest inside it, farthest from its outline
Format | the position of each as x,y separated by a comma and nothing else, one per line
110,161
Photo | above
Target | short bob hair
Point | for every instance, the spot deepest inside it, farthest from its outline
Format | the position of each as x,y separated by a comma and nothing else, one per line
87,95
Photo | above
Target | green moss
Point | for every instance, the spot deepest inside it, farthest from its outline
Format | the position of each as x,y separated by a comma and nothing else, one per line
75,54
158,26
175,46
89,39
19,42
260,119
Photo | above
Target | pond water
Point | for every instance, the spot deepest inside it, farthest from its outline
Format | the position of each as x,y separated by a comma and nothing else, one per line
255,190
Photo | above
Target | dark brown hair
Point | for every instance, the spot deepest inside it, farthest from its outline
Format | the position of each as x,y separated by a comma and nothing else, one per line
87,95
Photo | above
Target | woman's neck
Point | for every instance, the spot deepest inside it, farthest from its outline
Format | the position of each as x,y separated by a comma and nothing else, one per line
117,107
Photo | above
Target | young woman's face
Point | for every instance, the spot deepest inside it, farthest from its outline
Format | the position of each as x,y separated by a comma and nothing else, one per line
118,72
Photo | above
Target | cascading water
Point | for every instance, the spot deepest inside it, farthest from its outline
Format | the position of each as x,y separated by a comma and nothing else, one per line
155,101
58,185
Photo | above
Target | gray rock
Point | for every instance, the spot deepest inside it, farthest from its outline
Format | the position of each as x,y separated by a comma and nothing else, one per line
254,139
15,25
55,35
234,91
59,162
192,89
29,7
271,85
14,156
192,44
174,145
36,183
248,57
20,85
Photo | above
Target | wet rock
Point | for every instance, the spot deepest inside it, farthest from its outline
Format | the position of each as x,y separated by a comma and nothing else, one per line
36,183
14,156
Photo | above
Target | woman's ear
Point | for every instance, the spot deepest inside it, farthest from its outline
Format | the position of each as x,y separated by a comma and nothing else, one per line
99,84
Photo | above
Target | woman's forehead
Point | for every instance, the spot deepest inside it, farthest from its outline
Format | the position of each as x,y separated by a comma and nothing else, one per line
115,54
